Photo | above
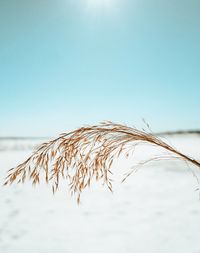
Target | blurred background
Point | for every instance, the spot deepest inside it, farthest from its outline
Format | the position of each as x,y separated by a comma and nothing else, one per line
68,63
65,64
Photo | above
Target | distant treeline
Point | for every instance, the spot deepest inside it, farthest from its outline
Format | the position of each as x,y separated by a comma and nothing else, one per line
178,132
23,138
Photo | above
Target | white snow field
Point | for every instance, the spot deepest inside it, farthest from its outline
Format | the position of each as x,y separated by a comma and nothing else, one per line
157,210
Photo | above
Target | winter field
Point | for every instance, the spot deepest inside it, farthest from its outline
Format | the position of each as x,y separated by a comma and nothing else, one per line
157,210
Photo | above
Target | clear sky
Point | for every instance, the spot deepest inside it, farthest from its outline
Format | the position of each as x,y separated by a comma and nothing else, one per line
67,63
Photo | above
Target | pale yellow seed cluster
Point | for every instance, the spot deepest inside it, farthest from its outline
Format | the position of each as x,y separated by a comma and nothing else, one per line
85,154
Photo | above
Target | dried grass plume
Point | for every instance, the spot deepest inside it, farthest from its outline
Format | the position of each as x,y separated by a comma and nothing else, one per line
85,154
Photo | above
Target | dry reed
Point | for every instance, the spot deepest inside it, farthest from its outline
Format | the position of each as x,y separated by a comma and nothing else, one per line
85,154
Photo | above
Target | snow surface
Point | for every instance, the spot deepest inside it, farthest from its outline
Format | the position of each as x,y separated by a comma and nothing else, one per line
155,210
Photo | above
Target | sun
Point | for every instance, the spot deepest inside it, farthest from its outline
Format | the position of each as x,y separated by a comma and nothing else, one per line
97,4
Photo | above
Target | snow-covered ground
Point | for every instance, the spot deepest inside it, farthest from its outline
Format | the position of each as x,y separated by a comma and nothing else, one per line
155,210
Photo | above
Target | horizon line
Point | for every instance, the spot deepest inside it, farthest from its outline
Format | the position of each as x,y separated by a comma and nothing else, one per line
193,131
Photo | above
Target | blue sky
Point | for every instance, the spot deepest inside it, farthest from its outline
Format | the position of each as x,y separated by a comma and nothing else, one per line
64,64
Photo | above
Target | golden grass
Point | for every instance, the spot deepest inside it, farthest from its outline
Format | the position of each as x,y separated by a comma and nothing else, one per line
85,154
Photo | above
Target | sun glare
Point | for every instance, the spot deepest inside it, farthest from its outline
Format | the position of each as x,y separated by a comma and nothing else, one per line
96,4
